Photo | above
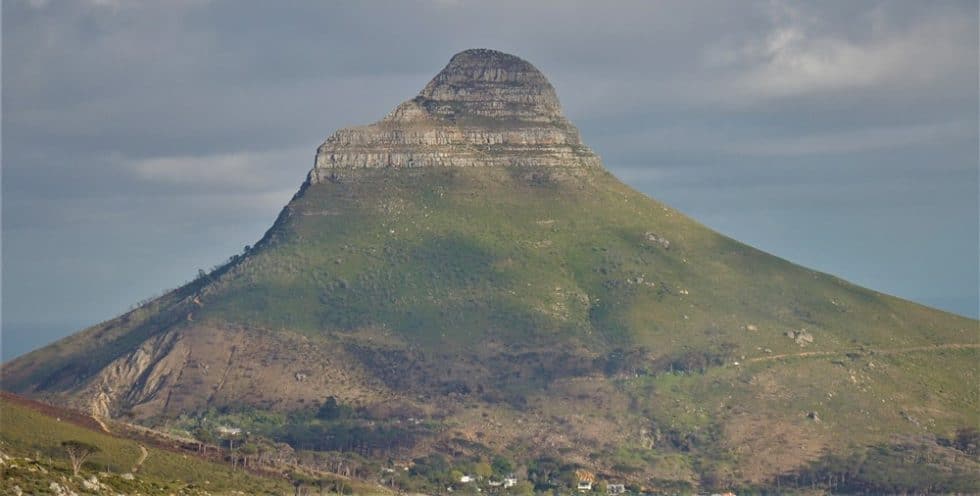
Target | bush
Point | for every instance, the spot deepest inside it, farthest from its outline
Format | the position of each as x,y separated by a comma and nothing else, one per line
331,409
967,440
502,466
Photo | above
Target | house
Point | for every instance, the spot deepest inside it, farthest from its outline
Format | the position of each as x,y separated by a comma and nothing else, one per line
585,479
616,488
466,478
506,482
224,430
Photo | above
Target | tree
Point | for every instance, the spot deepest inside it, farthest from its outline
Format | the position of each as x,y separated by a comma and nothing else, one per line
502,466
331,409
206,437
301,482
482,469
78,452
432,467
523,488
249,450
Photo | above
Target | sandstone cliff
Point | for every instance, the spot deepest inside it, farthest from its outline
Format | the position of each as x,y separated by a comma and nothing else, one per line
486,108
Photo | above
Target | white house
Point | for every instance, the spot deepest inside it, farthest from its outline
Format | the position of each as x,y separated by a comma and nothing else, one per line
224,430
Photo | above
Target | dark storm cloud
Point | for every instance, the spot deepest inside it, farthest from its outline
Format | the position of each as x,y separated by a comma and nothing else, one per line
143,140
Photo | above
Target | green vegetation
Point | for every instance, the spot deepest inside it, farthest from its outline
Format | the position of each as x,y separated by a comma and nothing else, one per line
559,320
426,254
78,452
913,466
43,439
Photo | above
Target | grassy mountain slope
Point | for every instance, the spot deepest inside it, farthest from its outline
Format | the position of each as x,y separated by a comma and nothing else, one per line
531,312
490,254
30,443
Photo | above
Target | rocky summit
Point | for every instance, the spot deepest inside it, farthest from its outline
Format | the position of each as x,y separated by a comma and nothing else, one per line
486,108
463,289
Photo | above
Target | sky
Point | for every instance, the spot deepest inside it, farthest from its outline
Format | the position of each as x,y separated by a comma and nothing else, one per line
142,141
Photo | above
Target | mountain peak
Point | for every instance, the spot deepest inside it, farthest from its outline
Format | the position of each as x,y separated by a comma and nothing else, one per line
485,108
482,65
482,82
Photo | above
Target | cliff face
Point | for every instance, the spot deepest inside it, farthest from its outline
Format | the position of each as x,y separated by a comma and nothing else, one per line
486,108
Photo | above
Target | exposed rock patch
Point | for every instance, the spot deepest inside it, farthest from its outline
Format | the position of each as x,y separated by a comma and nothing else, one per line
801,337
183,370
657,239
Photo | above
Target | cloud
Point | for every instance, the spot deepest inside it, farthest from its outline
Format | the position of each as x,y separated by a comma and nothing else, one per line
809,57
861,140
237,171
795,57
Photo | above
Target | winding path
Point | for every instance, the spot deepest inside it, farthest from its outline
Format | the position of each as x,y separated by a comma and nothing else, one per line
139,463
894,351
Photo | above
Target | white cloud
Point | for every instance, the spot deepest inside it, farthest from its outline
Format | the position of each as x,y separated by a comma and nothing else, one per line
798,56
865,58
237,170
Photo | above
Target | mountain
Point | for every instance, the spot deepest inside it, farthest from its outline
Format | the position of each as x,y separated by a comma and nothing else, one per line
465,278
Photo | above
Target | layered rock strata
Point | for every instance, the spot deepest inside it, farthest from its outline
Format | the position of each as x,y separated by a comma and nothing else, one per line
485,108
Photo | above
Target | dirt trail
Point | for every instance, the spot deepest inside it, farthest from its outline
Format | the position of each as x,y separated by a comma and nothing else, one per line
894,351
139,463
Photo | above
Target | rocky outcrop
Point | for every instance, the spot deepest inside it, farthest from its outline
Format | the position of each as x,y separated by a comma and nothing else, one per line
485,109
189,368
491,84
655,238
141,376
801,337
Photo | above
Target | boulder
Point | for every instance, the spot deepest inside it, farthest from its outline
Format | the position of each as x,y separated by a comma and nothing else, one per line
655,238
801,337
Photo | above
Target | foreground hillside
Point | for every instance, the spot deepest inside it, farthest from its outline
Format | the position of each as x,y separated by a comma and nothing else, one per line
464,282
33,461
